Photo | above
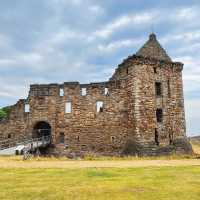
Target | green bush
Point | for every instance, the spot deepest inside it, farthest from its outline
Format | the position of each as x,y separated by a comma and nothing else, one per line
4,112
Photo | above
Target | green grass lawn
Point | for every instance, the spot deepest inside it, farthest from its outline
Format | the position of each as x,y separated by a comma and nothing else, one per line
151,183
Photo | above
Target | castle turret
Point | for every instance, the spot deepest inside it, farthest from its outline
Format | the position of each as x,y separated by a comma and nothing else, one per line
156,102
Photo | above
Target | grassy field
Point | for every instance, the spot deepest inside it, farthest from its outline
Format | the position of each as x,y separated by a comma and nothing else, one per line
159,183
131,179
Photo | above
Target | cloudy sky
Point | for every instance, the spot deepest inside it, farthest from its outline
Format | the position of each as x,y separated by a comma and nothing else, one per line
48,41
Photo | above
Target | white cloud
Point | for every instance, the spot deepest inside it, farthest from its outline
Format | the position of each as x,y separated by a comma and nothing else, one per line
183,37
13,90
4,41
67,2
96,9
191,73
187,13
116,45
21,60
192,107
139,19
88,5
62,36
6,62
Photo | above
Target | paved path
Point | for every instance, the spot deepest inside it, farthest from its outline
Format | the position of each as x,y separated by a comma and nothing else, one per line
18,163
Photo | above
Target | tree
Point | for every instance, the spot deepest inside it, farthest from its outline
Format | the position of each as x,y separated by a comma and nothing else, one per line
4,112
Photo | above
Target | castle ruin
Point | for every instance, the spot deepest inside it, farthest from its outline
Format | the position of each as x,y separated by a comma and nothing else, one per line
139,111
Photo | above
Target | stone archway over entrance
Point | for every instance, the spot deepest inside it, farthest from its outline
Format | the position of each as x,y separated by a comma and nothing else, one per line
41,129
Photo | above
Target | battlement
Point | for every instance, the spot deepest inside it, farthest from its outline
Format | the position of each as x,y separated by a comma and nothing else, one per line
54,89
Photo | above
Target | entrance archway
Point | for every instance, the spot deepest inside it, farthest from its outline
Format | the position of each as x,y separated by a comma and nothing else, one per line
41,129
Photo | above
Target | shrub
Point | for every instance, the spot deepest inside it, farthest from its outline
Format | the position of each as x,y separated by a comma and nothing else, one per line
4,112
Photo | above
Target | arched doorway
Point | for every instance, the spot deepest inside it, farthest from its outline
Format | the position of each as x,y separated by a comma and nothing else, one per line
41,129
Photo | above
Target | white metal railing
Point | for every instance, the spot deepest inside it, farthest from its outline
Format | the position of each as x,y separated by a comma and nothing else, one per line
9,143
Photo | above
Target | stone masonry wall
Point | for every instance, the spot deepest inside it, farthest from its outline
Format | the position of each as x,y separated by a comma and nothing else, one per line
15,125
85,130
128,120
142,74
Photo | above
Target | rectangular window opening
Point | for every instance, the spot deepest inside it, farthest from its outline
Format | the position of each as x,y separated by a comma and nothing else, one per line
27,108
169,89
106,91
156,137
155,70
158,87
9,136
68,107
99,106
170,138
61,92
62,138
159,115
78,138
83,91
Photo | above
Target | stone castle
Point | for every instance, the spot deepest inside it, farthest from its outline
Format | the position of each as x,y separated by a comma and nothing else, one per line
139,111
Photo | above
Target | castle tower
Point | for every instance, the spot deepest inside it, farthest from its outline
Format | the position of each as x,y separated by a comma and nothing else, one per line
156,102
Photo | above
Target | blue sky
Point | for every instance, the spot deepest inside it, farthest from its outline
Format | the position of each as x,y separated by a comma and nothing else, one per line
48,41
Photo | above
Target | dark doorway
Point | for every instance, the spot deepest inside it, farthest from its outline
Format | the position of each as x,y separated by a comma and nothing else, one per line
41,129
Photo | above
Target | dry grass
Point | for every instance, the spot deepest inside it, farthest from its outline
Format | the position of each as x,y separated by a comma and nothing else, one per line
17,162
143,183
100,178
91,161
195,144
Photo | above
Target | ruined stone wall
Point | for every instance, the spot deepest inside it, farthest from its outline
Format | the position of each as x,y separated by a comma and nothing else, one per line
14,127
129,111
85,129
